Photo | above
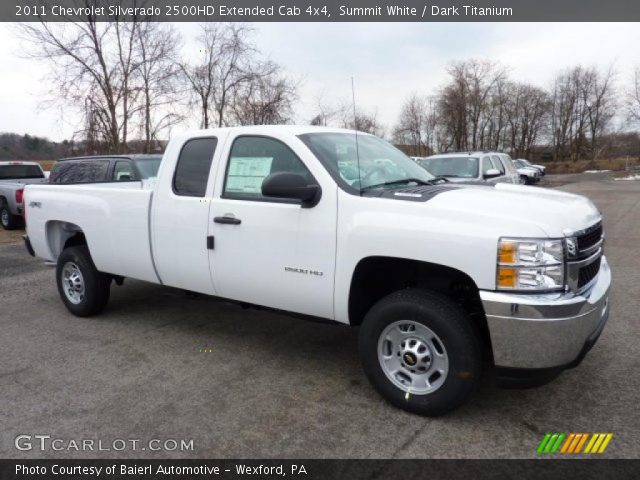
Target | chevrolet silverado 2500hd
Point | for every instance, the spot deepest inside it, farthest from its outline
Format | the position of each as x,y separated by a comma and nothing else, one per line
340,225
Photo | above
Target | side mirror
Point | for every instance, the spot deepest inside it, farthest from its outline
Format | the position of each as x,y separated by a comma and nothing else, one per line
492,173
293,186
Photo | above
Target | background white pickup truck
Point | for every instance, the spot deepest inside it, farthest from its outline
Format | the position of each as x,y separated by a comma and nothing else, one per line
442,278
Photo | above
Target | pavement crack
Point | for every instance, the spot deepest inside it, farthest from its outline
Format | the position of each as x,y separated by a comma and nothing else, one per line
409,440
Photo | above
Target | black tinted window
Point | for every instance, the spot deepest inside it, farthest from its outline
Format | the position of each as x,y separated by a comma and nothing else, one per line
20,171
80,171
192,170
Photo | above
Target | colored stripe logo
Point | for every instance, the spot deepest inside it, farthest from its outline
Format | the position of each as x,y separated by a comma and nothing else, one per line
574,443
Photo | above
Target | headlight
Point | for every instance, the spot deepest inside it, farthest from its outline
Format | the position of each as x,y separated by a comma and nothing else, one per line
530,264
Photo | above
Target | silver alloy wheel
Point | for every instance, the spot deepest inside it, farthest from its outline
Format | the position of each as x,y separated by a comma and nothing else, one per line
413,357
5,217
72,283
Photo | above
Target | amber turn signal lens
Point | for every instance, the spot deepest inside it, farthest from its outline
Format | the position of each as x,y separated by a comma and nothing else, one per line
507,277
507,252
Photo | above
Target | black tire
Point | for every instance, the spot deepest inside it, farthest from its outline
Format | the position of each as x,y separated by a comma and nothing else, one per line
96,284
524,180
7,219
455,331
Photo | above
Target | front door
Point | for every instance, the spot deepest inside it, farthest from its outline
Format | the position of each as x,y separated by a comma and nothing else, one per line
270,251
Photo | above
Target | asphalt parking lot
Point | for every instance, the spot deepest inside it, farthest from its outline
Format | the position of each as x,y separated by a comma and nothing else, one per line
159,364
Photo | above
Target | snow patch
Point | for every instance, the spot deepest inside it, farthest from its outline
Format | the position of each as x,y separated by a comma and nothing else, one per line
630,177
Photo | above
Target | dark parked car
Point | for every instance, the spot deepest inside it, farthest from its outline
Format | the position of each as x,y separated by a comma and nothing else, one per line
108,168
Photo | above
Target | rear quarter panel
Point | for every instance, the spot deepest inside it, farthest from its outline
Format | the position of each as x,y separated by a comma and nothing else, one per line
113,217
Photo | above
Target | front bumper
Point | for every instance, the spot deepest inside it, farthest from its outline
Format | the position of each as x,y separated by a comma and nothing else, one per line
549,330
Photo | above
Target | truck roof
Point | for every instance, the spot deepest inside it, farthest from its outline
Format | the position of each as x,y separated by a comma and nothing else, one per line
473,153
135,156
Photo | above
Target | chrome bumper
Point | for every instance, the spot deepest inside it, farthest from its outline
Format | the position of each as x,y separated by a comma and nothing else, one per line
546,331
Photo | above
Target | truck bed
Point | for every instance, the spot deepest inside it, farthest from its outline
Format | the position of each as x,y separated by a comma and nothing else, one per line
114,218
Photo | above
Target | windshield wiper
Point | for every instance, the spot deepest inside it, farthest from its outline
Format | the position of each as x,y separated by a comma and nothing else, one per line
402,181
439,178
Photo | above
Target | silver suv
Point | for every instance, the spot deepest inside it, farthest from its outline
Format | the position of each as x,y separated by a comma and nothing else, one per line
492,167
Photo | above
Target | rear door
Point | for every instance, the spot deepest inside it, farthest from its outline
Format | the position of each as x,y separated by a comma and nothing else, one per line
271,251
180,214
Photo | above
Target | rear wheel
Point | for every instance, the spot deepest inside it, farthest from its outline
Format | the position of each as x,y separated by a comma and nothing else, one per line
7,219
420,351
83,289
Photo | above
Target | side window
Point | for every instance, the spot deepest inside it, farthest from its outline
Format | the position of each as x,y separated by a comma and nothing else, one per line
80,171
192,170
123,171
252,159
486,165
498,163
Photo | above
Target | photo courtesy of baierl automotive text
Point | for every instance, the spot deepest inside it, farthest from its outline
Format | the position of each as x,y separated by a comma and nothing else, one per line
330,240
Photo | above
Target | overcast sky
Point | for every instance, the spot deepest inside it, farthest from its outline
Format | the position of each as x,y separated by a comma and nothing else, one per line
388,61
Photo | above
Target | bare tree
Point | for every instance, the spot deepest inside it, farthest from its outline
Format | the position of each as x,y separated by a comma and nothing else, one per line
110,71
265,100
228,64
156,46
327,112
633,97
583,107
362,121
527,111
599,103
93,68
466,104
417,123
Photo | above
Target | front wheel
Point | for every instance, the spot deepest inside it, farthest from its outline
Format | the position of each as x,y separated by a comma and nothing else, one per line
420,351
83,289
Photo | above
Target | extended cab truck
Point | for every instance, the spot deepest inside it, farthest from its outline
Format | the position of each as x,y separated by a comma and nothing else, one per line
13,177
435,273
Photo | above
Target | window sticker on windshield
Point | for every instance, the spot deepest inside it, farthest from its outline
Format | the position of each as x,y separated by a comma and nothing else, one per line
247,173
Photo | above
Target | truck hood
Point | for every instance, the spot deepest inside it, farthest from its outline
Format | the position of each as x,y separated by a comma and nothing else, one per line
557,213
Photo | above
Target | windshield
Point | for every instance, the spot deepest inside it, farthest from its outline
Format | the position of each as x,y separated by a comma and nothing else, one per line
148,167
369,163
458,167
519,164
15,172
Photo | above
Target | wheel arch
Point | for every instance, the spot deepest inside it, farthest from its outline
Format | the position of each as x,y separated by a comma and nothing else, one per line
61,235
376,277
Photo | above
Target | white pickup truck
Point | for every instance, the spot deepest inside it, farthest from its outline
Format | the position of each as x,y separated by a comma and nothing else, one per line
442,278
